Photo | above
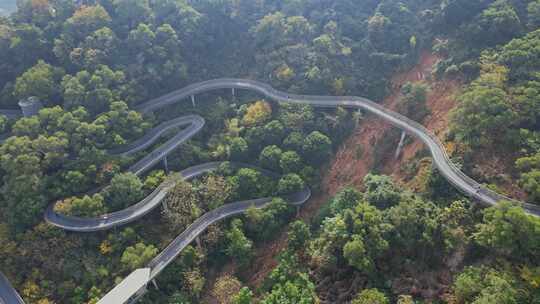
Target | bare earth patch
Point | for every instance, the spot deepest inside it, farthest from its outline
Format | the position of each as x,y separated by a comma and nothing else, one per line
347,168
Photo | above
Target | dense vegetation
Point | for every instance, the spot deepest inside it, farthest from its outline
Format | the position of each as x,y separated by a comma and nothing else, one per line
386,239
91,62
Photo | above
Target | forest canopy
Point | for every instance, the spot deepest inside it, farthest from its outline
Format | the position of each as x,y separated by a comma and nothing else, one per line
91,63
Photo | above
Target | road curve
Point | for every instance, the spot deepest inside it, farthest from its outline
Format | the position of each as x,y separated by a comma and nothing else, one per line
442,161
139,209
440,158
194,124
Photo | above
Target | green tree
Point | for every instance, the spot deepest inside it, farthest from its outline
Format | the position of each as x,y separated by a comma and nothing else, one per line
41,80
530,175
86,20
346,198
99,48
456,12
484,117
296,116
190,257
298,235
270,157
121,124
27,126
238,148
239,246
508,230
526,104
389,30
244,296
130,13
273,132
262,224
141,39
369,240
370,296
415,226
137,256
381,191
88,206
255,139
290,162
290,183
294,141
533,15
299,291
414,98
521,56
249,181
317,147
456,225
180,15
95,91
276,30
355,253
497,24
125,189
35,12
154,178
24,44
481,285
24,161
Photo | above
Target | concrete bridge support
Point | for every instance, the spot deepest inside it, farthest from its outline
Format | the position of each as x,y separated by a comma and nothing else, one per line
400,145
30,106
193,100
233,93
166,165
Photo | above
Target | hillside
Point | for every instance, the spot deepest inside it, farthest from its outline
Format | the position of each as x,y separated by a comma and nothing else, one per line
182,137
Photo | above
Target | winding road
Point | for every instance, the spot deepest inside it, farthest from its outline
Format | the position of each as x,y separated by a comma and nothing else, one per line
194,123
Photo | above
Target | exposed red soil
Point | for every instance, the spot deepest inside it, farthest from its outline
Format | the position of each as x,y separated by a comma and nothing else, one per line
347,169
440,101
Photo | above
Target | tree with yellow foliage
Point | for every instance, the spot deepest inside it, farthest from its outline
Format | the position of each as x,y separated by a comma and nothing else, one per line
225,288
257,113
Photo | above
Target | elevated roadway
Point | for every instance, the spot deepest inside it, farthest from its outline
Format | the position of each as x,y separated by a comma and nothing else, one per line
194,123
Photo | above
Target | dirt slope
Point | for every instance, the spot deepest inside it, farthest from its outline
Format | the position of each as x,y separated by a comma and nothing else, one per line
346,168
